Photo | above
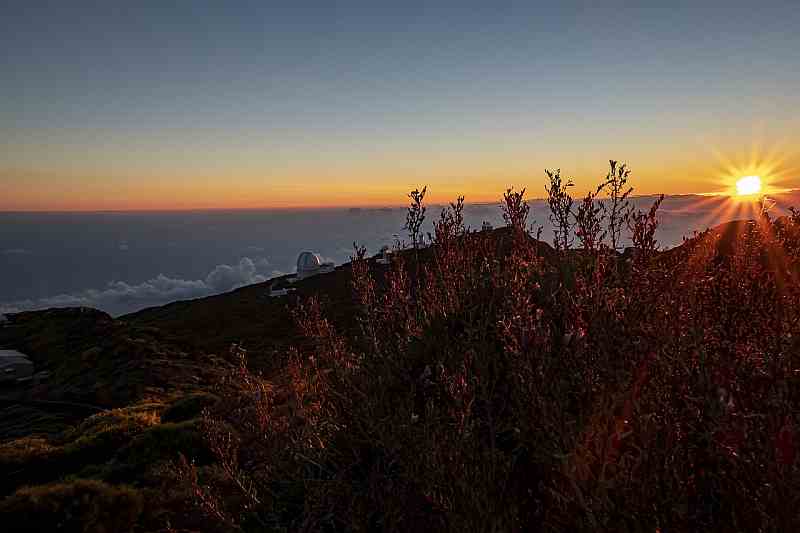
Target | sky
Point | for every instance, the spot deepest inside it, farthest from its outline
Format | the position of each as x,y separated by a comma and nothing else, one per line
196,105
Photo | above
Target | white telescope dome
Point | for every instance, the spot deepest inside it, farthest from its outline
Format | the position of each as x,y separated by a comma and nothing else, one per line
310,263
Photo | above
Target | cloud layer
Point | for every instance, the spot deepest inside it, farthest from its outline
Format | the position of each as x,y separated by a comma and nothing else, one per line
119,297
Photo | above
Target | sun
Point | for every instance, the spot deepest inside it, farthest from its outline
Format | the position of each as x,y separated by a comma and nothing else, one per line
748,185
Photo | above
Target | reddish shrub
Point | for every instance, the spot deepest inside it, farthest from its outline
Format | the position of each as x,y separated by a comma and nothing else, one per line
498,386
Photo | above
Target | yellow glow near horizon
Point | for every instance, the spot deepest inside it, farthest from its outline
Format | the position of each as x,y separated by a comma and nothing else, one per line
343,179
748,185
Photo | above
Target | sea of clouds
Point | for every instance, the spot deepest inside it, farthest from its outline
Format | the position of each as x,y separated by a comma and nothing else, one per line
121,263
119,297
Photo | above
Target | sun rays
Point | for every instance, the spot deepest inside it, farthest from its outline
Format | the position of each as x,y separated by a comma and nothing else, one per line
747,183
761,171
750,188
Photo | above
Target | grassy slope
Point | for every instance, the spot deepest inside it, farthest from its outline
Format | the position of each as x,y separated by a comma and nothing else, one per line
144,364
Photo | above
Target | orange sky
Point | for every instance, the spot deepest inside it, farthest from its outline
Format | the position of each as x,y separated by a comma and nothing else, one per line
372,179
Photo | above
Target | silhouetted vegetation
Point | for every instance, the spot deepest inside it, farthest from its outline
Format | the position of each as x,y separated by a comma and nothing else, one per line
188,407
495,384
81,506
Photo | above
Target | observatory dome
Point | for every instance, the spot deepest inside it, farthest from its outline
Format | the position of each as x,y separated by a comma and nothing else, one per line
308,261
309,264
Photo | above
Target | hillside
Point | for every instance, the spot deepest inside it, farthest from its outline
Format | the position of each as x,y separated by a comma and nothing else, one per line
94,359
149,374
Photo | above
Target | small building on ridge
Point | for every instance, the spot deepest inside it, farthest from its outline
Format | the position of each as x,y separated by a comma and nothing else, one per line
14,367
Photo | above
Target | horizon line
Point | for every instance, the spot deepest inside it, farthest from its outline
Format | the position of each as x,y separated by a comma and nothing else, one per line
320,207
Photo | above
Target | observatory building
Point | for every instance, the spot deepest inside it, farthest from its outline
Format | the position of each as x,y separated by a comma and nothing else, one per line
310,264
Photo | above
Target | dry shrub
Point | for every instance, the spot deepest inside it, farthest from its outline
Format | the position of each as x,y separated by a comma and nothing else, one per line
498,385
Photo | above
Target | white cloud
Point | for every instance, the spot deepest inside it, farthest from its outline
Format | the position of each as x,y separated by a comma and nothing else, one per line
262,263
226,277
119,297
